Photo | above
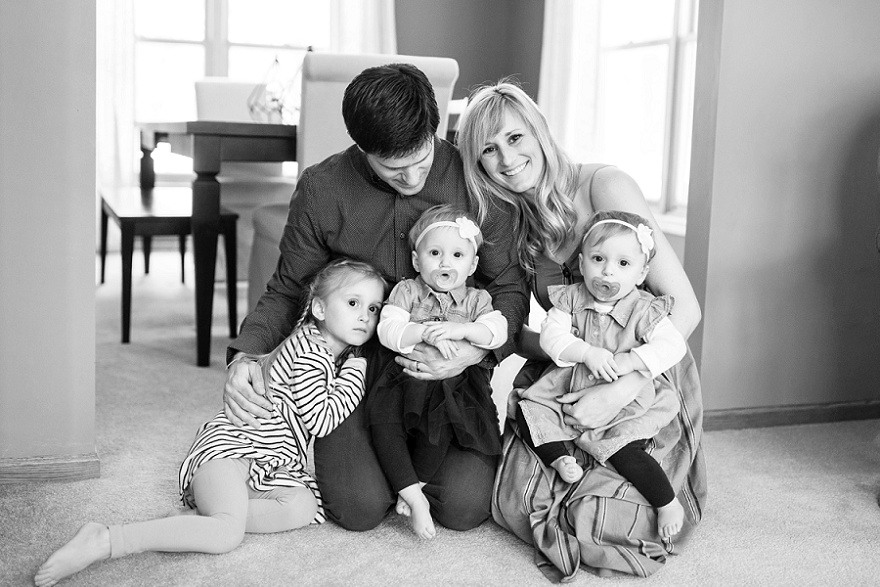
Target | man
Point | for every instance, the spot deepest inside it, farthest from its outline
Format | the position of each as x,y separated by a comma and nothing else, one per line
361,203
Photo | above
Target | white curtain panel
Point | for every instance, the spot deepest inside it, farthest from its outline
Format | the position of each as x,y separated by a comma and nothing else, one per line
114,73
568,64
363,26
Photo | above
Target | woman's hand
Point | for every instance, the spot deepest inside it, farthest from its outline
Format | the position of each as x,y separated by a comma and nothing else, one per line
426,362
593,407
244,395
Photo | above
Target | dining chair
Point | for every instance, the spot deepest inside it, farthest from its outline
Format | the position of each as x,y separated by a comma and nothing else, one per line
161,211
321,132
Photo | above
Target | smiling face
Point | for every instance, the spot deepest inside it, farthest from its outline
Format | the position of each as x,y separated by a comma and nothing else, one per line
444,259
614,267
513,158
348,315
407,175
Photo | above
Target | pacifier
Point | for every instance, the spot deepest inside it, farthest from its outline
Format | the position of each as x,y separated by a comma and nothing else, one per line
444,277
604,289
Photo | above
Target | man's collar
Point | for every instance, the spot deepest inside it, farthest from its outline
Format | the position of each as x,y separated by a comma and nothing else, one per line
362,166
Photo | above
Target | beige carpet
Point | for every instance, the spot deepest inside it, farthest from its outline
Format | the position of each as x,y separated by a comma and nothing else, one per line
788,506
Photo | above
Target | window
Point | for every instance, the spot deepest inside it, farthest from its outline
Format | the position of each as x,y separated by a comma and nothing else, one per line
639,116
180,41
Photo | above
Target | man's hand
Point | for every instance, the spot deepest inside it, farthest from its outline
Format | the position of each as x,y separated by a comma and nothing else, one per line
447,348
244,395
426,362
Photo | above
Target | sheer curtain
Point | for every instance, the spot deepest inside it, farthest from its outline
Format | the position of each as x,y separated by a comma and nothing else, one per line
363,26
114,72
569,61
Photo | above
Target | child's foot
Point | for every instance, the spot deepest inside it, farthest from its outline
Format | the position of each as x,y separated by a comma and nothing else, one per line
90,544
402,507
670,518
421,521
568,469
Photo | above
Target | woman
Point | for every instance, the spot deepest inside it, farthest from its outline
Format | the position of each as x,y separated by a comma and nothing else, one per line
511,160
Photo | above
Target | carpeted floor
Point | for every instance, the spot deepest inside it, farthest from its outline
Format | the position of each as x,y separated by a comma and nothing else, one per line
788,506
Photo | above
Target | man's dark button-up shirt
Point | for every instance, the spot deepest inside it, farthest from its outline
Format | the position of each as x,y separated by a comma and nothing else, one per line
340,208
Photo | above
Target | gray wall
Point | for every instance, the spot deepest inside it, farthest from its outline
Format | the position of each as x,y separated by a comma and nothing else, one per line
784,202
47,251
490,39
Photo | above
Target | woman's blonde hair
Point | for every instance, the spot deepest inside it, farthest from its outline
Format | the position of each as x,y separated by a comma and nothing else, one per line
543,223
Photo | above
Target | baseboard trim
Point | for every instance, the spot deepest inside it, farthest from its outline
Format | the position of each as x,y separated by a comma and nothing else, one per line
57,468
790,415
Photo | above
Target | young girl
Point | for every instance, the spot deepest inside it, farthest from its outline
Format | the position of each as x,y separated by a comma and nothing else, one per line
247,480
620,329
413,422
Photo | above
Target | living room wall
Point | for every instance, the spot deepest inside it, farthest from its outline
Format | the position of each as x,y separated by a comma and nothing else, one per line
784,206
47,260
490,39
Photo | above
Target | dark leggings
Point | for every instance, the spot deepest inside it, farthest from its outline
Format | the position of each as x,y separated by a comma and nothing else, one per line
632,462
409,458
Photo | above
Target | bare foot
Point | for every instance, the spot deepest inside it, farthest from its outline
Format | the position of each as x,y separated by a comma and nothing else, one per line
568,469
670,518
90,544
402,507
421,521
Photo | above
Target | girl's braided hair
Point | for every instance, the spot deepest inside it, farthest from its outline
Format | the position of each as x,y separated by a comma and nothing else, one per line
333,276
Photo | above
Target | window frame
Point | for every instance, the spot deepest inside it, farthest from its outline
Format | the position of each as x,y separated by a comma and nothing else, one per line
683,33
217,47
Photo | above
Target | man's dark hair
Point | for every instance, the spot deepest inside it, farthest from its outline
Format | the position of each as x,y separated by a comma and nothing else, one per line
390,110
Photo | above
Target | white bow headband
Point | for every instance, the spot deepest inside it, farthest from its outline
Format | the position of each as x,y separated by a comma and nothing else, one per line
643,234
466,230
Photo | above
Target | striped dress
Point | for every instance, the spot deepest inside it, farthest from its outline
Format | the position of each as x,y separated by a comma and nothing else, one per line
312,396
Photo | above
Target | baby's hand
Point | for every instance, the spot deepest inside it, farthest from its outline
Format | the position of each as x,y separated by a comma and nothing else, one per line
447,348
625,364
437,331
600,363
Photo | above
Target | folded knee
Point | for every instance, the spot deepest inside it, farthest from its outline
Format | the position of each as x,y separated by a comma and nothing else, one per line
358,516
298,511
227,537
358,509
463,517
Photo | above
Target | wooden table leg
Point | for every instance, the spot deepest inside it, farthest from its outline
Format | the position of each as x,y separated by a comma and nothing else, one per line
148,172
205,228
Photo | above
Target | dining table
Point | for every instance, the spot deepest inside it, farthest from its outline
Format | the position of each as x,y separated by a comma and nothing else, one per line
209,143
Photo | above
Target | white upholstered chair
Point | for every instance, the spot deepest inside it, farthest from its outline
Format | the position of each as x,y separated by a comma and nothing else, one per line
321,133
245,186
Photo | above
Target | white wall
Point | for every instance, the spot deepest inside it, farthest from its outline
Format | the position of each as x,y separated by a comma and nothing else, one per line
784,202
47,229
